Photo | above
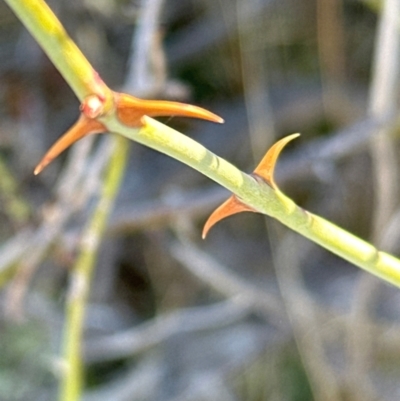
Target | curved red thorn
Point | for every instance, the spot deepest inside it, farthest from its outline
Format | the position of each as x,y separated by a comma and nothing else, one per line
231,206
130,110
84,126
266,168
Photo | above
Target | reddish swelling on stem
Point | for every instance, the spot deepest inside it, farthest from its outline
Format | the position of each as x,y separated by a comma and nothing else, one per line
92,106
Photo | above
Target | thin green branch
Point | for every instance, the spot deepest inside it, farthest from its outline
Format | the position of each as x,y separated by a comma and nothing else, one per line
62,51
262,197
71,384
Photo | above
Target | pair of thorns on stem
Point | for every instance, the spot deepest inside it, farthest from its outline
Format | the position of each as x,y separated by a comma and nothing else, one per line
130,111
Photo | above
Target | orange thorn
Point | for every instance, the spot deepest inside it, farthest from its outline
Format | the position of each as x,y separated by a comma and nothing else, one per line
231,206
266,168
84,126
130,110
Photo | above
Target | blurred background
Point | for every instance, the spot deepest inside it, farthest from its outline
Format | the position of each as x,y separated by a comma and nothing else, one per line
254,312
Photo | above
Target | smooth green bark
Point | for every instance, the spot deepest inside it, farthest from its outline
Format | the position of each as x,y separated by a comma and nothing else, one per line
60,48
264,198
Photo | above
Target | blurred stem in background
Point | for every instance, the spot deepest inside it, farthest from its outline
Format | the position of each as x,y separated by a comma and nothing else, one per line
71,385
383,100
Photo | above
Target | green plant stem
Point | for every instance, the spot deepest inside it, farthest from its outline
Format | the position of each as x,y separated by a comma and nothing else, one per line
71,383
263,198
62,51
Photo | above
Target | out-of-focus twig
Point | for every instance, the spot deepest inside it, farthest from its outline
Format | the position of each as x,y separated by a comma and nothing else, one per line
159,212
55,217
303,316
71,385
140,338
208,270
254,76
383,101
191,42
385,178
146,65
331,50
